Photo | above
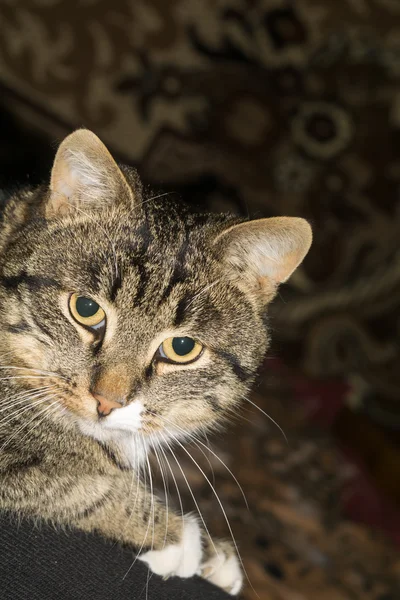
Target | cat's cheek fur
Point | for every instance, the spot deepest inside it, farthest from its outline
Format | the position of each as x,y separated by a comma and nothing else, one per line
182,560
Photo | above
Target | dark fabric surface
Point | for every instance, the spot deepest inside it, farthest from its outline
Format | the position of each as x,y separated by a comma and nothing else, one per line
40,563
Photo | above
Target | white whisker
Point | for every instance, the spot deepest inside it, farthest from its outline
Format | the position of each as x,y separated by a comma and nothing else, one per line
268,417
20,411
176,487
191,492
47,373
197,441
12,377
21,399
156,197
46,411
152,510
202,291
146,533
219,502
166,494
36,415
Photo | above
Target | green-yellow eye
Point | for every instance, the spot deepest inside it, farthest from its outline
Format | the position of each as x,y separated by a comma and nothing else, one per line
180,349
86,311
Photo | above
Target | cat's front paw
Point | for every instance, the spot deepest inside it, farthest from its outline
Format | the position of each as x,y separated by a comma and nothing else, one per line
222,568
183,559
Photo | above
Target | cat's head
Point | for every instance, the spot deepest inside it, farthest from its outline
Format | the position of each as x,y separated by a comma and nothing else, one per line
131,313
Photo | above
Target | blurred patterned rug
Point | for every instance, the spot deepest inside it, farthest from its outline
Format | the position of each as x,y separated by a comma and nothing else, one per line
297,538
263,107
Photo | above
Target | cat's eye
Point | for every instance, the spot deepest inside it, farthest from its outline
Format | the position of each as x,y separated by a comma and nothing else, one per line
180,350
86,311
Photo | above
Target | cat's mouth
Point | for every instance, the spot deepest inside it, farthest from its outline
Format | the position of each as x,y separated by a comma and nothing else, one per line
127,418
132,418
115,420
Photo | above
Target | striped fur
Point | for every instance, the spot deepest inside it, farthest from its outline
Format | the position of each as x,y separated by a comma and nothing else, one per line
158,270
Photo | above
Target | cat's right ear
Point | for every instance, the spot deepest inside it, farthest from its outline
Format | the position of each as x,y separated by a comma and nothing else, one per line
85,175
260,255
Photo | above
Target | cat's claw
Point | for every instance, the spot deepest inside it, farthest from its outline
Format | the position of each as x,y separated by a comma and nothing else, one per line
223,569
182,560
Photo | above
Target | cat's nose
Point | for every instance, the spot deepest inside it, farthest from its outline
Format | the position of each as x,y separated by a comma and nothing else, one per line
105,405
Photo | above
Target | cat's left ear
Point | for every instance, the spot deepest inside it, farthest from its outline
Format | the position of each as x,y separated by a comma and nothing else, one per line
261,254
85,175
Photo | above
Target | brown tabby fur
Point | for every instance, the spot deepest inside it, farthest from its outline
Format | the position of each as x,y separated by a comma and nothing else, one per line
155,268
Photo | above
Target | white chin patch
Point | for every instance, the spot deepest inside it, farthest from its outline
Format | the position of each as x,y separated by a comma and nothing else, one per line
120,427
128,418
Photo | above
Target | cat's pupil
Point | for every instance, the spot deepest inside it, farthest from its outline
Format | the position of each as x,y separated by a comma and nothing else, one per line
85,307
183,345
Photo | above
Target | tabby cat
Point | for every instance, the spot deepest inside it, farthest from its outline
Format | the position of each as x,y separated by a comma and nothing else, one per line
127,321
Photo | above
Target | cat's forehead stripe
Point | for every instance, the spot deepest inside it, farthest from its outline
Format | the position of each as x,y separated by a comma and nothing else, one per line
180,272
181,312
116,286
144,275
33,282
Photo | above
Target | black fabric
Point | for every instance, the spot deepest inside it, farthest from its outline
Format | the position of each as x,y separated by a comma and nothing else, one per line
38,562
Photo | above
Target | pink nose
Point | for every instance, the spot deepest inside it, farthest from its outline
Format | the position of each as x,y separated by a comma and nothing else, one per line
104,405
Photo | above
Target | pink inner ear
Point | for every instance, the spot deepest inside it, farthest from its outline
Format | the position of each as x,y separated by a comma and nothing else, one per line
62,185
266,248
84,172
282,271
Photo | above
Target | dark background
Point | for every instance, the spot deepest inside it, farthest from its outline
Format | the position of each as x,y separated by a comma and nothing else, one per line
264,107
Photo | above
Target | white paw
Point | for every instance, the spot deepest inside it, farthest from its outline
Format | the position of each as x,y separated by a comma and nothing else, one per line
223,570
181,559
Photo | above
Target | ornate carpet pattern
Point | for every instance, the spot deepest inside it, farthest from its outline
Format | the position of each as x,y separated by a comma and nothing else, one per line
263,107
297,538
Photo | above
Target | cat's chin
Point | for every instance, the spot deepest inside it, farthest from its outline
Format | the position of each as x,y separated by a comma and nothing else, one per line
130,434
132,446
125,421
125,429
